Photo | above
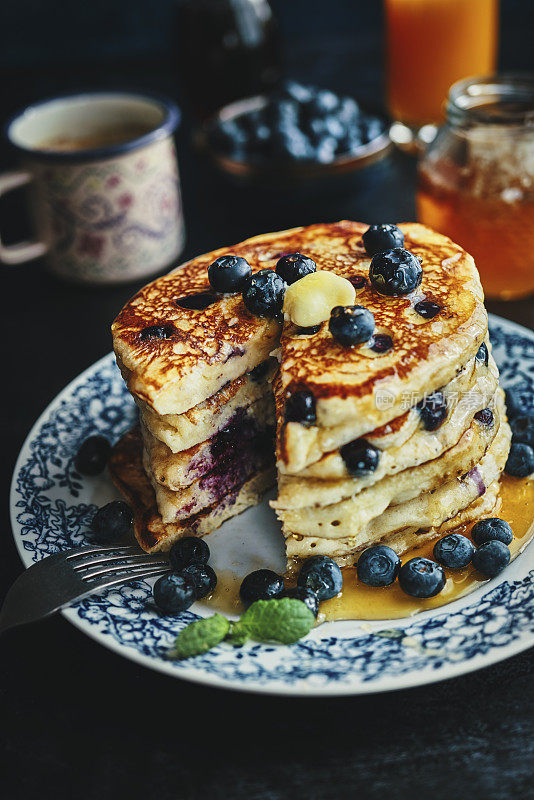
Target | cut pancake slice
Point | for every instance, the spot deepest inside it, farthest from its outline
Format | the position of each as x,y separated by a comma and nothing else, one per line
178,470
307,505
232,469
128,474
429,510
417,445
183,431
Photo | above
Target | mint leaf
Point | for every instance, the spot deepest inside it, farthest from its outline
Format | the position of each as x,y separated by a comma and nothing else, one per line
200,636
286,620
239,633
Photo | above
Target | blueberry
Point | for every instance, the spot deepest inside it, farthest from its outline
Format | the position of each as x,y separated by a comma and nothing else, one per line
454,551
519,400
491,558
427,309
291,144
358,281
296,91
485,416
433,410
322,575
371,128
300,407
228,273
378,566
204,578
174,593
488,530
348,110
520,462
189,550
294,266
350,325
163,331
308,596
360,457
325,149
378,238
92,455
196,302
263,293
324,102
482,354
112,522
381,343
523,429
395,272
263,584
421,577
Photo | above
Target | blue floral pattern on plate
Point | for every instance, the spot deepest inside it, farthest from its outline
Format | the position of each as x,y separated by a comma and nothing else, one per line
52,507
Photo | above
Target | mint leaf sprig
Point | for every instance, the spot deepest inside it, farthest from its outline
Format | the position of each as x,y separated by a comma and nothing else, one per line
284,620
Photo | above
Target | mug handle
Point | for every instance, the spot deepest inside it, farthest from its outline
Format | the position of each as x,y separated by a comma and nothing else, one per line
25,251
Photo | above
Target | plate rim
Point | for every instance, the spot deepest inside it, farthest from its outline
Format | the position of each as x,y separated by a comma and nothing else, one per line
197,675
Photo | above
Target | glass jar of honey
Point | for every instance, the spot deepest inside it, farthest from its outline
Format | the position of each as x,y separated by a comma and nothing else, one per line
476,180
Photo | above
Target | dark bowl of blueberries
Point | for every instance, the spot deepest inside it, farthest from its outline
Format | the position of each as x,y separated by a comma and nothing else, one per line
296,133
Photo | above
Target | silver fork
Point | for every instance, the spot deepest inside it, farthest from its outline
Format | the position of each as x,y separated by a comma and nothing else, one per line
63,578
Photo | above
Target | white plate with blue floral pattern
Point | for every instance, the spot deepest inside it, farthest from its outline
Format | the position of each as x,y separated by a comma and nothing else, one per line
52,506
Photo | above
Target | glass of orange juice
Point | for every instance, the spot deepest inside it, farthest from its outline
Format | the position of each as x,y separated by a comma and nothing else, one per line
431,44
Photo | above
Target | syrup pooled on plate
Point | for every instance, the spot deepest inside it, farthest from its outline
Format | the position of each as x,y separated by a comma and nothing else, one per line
360,602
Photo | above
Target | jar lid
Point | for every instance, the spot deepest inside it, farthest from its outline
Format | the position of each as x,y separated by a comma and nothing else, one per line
506,99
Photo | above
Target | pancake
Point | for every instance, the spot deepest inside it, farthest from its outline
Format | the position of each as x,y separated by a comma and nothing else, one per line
127,472
403,441
183,431
174,358
181,469
355,500
314,505
427,512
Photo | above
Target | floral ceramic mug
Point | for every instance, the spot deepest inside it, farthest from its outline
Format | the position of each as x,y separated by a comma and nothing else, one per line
104,185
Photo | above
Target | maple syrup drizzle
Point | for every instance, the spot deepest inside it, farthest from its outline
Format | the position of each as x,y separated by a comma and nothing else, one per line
361,602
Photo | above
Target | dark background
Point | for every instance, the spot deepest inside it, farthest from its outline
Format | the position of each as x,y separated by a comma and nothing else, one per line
78,721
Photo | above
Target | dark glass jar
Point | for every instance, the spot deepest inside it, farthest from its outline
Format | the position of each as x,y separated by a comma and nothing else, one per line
476,180
225,50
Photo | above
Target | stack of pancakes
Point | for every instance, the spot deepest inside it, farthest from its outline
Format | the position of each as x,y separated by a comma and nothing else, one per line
204,379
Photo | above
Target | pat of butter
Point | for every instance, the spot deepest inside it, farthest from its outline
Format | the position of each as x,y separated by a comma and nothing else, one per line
310,300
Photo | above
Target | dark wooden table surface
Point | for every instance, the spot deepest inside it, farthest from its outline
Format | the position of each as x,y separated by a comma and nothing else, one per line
79,721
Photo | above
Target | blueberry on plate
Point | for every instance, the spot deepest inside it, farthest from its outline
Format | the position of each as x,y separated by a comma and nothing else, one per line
300,407
322,575
262,584
523,429
491,558
174,593
432,410
378,566
421,577
360,457
294,266
482,354
112,522
307,596
189,550
492,529
263,293
378,238
520,462
92,456
395,272
351,325
228,273
454,551
204,578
